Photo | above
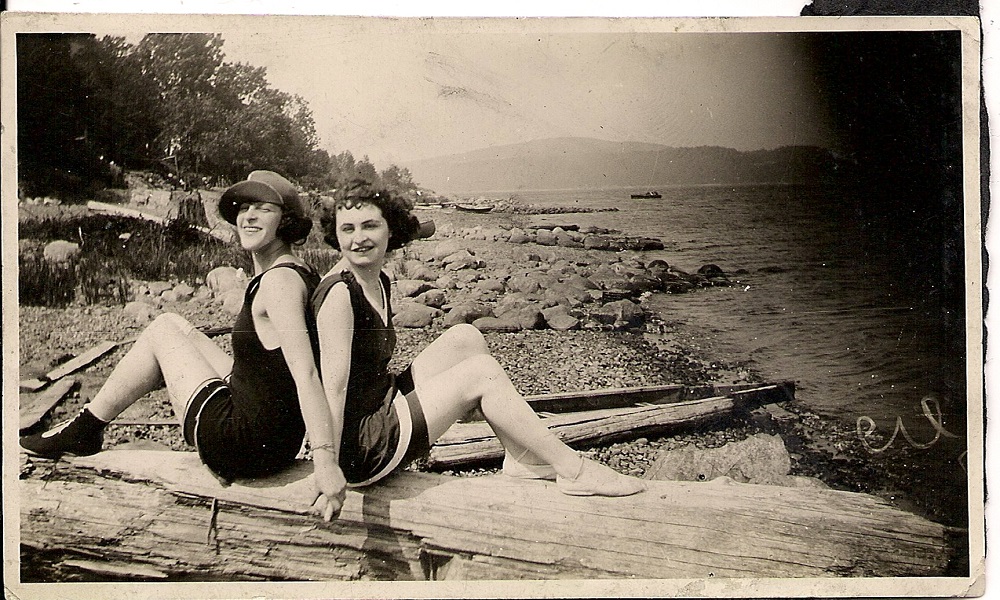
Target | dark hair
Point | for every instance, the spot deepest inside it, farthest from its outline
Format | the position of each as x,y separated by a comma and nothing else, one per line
403,226
293,228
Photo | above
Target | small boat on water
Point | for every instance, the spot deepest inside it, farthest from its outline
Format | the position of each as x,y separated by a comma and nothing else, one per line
647,195
475,208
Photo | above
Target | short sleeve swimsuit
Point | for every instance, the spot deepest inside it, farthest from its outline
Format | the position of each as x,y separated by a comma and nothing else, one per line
371,433
253,424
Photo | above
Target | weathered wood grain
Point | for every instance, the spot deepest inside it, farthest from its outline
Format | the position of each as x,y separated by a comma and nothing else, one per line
153,509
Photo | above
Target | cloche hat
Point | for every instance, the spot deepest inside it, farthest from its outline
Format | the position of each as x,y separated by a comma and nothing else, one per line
261,186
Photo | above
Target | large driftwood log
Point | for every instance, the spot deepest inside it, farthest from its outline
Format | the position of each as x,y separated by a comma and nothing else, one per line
153,510
475,441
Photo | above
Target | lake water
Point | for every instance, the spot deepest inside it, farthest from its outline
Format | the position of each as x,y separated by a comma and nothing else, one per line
833,314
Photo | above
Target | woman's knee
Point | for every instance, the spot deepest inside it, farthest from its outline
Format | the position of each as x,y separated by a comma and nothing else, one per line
467,339
169,322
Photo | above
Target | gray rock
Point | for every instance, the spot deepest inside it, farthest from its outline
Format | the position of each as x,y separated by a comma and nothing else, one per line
139,311
466,313
544,237
232,300
563,322
408,288
60,251
157,288
447,248
414,315
504,325
223,279
530,317
596,242
490,285
420,271
625,311
184,291
518,236
433,298
469,262
460,255
761,459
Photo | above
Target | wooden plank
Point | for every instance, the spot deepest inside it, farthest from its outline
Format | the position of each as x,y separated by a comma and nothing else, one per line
658,394
473,442
153,509
70,366
32,409
91,355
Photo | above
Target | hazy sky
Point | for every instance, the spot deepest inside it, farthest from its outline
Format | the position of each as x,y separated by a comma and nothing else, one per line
399,90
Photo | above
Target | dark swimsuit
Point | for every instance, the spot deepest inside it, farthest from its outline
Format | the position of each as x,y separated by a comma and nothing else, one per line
252,425
371,427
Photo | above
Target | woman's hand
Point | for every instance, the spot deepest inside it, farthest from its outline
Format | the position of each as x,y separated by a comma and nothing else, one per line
331,488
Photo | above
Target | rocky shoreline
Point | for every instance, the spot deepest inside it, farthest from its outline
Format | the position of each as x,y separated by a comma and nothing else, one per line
562,311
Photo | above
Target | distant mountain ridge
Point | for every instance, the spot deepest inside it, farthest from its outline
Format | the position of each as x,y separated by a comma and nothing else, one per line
593,163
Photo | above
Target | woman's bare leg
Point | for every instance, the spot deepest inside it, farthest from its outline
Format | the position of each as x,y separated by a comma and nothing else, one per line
481,381
454,346
169,351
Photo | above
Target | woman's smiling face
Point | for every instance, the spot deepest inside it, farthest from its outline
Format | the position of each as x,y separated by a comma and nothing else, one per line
363,234
257,224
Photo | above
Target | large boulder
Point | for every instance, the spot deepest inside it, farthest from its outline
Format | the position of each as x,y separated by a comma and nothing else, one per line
465,262
518,236
140,312
408,288
596,242
447,248
420,271
223,279
415,315
156,288
232,300
559,318
503,325
760,459
60,251
544,237
466,313
490,285
433,298
620,313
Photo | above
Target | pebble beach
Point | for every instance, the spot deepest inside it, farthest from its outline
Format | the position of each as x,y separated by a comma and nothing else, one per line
562,311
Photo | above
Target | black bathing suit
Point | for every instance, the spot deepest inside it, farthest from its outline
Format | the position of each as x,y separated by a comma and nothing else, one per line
371,427
252,425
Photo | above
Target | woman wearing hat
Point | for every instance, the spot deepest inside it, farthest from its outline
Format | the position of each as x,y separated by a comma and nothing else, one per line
242,412
377,421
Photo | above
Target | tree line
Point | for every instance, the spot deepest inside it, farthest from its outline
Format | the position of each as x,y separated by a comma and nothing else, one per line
90,108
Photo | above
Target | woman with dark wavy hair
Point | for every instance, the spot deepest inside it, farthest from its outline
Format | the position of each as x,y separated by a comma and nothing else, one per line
376,421
246,413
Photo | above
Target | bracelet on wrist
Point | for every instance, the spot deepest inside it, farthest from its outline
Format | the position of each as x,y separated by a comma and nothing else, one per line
328,446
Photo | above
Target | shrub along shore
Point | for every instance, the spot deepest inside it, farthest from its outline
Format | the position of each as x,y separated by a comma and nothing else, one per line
559,313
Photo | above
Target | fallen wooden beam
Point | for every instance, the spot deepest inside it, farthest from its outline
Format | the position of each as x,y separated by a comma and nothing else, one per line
222,235
473,442
33,408
656,394
154,510
70,366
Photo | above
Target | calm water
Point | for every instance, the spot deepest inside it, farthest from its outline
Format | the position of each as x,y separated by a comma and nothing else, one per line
835,319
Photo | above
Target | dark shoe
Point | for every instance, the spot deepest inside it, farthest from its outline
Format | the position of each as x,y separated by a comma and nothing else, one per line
82,435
